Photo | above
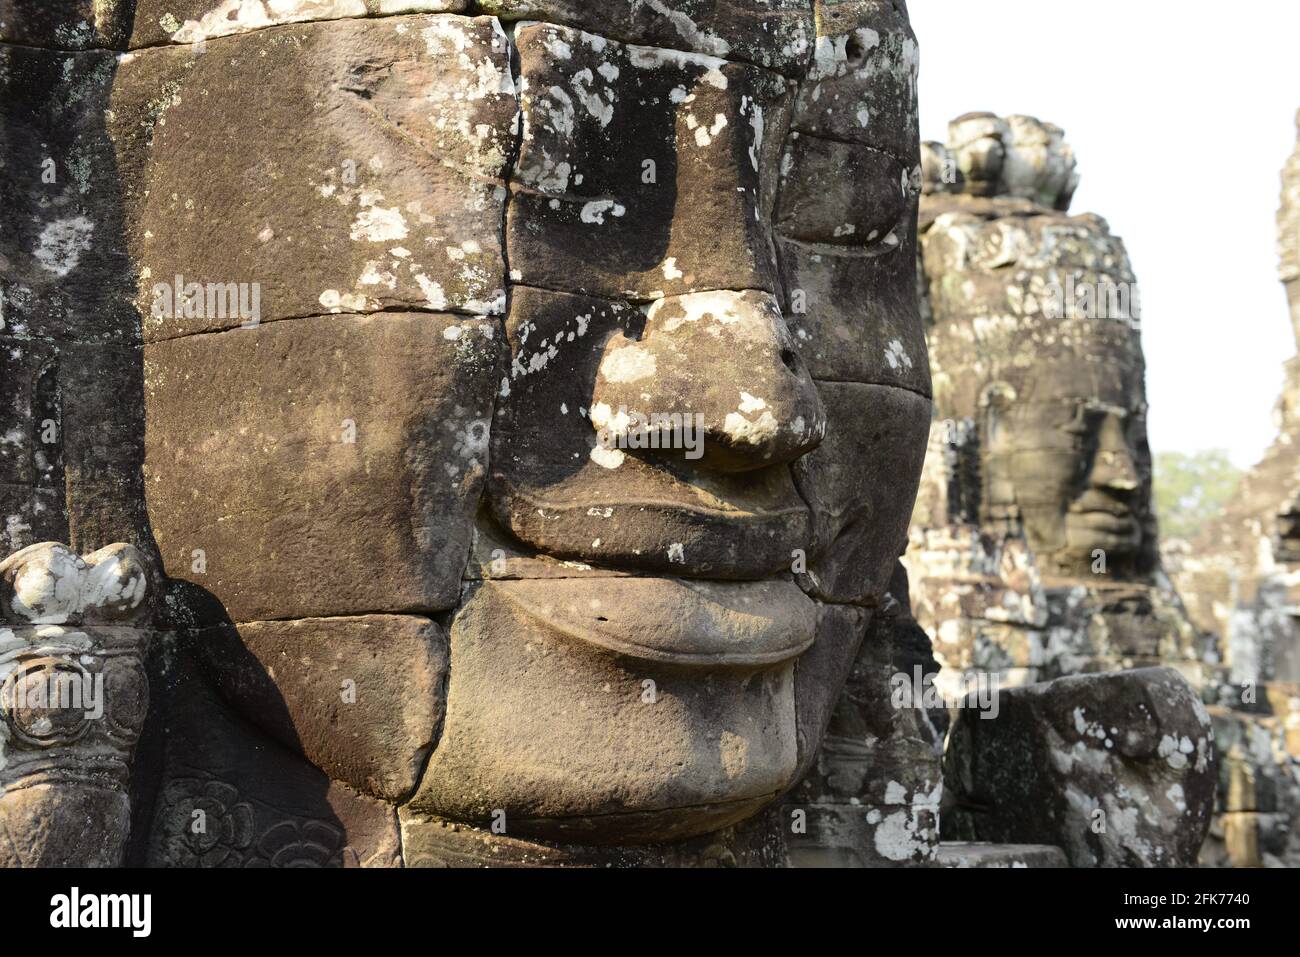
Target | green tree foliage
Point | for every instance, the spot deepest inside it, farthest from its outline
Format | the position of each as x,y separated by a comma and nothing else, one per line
1190,488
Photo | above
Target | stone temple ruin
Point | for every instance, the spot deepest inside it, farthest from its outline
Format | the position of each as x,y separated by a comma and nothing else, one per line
1033,555
1034,551
349,349
1240,577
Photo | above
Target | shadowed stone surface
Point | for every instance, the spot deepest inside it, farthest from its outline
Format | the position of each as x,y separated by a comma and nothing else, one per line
871,798
260,805
361,698
358,487
67,25
681,212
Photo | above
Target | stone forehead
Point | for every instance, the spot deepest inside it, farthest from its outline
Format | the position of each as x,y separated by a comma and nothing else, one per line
990,235
781,35
1088,360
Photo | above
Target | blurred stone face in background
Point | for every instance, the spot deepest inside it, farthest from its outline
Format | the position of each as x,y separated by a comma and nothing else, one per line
1035,341
418,304
1068,461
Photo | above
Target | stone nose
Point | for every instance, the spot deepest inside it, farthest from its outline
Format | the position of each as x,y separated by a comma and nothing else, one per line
713,378
1114,468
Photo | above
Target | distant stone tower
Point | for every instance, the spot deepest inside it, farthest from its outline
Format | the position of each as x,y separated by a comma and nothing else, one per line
1034,547
1242,575
1241,578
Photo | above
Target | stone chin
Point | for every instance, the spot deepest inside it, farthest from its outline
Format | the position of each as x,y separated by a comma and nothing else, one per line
619,710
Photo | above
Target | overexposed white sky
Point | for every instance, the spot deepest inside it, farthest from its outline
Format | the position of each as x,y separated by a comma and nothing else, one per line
1181,114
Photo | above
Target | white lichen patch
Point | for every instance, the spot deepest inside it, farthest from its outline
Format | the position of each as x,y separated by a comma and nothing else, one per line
607,458
378,224
62,243
628,364
742,430
594,211
898,835
241,16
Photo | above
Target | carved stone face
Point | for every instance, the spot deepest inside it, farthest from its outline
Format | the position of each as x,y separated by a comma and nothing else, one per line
1067,459
1035,342
592,341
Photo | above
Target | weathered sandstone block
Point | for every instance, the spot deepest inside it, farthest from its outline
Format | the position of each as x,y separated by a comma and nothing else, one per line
1116,769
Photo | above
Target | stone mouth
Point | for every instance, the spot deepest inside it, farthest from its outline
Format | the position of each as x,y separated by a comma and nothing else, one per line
1108,522
712,527
676,621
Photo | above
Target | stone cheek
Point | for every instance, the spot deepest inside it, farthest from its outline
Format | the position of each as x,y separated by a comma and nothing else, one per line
362,182
861,484
853,315
360,697
809,210
326,466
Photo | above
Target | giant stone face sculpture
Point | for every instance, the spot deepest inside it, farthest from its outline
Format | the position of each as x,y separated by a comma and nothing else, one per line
438,308
1051,378
1034,552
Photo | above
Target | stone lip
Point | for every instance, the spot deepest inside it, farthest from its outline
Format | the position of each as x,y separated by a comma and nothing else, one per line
712,624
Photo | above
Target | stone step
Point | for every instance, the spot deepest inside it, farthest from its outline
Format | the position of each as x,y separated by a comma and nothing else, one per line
973,854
